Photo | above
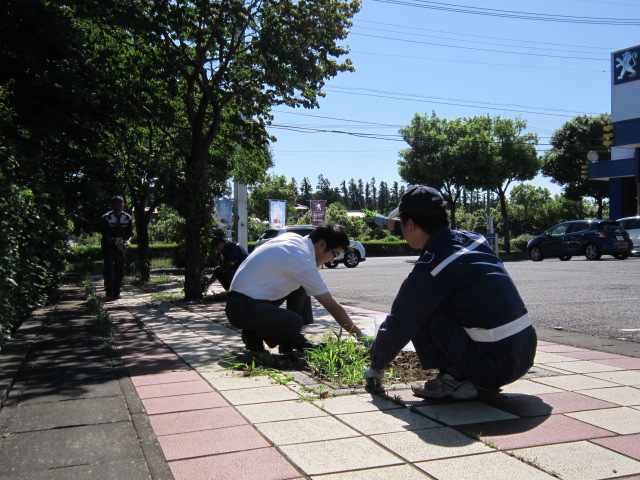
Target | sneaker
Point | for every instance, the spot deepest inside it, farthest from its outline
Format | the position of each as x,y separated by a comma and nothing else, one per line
443,386
252,341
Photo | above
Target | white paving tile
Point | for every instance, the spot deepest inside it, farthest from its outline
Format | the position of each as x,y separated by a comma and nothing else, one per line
580,461
622,420
470,412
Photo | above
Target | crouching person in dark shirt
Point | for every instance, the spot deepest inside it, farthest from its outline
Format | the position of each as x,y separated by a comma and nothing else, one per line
458,306
233,255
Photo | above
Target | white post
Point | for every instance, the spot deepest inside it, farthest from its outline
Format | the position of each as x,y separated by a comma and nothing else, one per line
240,213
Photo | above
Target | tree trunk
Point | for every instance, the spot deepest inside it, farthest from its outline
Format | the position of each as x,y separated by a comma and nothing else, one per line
195,213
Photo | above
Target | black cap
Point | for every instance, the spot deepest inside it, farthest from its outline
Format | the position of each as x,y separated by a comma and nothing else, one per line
419,200
117,198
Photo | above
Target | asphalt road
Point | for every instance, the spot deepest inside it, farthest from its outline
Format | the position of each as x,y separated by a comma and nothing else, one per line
592,298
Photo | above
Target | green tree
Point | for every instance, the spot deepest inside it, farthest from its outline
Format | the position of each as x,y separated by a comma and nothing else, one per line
274,187
306,191
440,155
512,157
570,145
384,198
217,64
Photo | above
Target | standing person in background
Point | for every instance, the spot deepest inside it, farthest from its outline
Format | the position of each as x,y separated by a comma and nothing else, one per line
116,227
458,306
233,255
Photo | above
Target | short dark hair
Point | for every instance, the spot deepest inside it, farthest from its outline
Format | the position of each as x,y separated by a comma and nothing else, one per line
334,235
430,222
216,241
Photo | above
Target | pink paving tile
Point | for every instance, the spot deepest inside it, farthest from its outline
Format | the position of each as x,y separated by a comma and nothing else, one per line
534,431
170,377
196,420
557,348
546,404
211,442
593,355
158,367
626,362
263,464
171,389
183,403
625,444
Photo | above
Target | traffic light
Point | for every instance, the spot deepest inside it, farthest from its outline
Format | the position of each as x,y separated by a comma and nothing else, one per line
608,135
584,171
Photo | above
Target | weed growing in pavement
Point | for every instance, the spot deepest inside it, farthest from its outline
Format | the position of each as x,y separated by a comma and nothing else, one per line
157,263
157,298
339,359
102,317
162,278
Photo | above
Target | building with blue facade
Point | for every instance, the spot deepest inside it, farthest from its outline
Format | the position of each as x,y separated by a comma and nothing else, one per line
623,170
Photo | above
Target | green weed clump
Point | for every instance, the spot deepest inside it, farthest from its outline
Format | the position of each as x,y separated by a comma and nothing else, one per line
339,360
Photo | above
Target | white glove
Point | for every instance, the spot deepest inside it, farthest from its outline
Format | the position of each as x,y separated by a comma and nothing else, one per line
379,222
125,244
374,380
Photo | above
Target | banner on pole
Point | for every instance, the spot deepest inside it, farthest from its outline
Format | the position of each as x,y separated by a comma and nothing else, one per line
277,213
224,212
318,211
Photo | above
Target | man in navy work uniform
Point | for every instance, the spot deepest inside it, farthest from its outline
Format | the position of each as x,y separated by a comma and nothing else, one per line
116,227
234,254
286,269
458,306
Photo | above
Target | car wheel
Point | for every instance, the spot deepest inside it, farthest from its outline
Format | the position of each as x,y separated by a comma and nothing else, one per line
592,251
535,254
351,259
332,264
621,256
565,258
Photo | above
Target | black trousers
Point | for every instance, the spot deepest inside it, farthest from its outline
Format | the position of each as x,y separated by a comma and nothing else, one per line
275,325
225,276
113,273
445,345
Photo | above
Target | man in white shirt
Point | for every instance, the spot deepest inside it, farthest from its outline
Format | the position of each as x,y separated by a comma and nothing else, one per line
285,268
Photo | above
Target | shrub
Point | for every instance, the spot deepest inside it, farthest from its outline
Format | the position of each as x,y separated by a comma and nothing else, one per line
33,245
519,243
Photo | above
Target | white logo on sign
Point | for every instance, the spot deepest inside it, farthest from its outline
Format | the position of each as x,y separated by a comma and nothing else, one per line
627,64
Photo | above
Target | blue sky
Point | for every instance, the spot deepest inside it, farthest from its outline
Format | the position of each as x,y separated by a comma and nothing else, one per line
412,59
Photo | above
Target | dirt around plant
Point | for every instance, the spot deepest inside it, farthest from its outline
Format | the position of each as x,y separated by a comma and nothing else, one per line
406,368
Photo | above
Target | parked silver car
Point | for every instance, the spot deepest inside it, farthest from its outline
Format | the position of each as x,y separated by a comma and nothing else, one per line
632,226
351,258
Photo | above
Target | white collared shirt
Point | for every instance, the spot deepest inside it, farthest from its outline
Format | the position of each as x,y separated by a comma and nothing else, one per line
279,267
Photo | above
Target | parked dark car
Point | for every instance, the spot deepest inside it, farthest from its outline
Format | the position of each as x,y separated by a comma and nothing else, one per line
591,238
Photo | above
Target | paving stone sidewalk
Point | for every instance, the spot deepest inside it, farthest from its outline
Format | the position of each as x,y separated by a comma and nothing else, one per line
69,409
575,416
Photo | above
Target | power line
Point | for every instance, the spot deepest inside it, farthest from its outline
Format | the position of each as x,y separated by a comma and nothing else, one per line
537,42
510,65
455,102
422,42
531,47
493,12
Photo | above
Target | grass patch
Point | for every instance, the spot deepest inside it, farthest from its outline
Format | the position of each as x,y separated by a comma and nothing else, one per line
107,328
339,360
161,278
157,298
159,263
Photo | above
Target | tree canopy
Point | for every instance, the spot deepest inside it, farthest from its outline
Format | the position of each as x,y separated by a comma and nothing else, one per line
570,145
